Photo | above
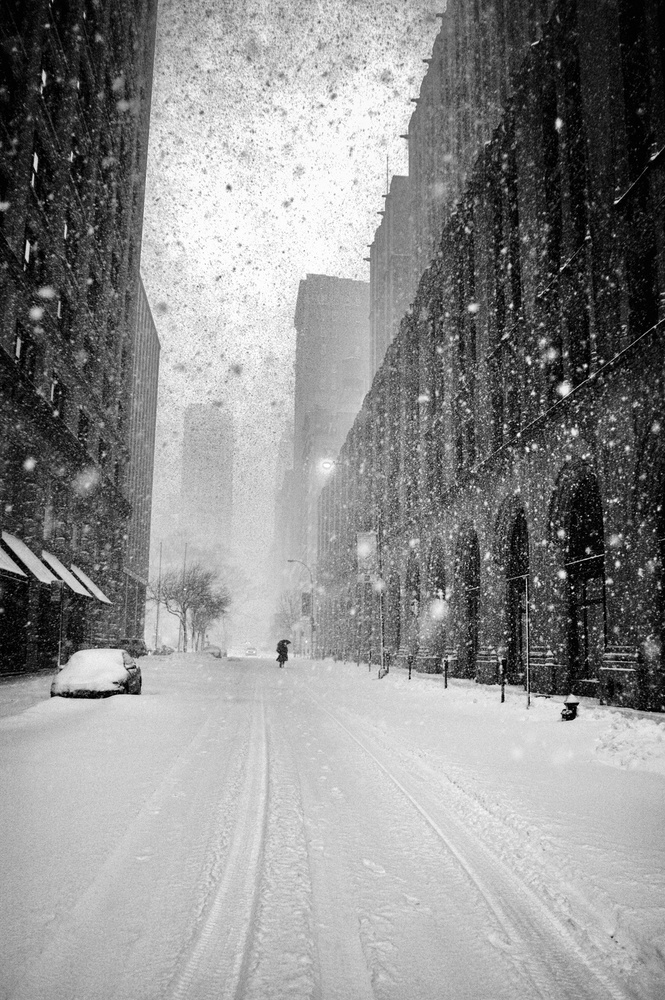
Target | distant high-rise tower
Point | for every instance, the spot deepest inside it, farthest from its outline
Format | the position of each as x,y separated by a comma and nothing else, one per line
332,377
207,478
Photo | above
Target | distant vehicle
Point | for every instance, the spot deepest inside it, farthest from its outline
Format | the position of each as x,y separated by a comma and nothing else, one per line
164,651
213,651
135,647
97,673
251,651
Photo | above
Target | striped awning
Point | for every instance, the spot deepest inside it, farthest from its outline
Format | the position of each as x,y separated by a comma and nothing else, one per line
8,565
92,587
72,582
28,558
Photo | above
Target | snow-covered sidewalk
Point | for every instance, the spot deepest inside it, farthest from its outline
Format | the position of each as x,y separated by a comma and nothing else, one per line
576,809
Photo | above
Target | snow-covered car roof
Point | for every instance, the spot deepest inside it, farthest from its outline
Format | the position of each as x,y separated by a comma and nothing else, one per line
93,669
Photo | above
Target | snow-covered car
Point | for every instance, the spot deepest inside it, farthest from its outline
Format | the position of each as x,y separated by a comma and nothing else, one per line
251,651
213,651
97,673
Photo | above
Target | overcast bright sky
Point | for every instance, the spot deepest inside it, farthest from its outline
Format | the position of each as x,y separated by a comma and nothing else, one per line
271,124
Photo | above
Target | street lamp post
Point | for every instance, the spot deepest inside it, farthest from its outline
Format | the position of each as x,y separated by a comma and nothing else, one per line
311,605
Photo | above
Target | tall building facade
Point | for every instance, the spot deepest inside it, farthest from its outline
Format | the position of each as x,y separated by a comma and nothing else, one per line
207,480
510,448
331,379
142,420
468,82
75,85
391,285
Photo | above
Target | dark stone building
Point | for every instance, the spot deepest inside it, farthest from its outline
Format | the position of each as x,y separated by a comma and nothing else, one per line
470,77
75,84
510,451
391,285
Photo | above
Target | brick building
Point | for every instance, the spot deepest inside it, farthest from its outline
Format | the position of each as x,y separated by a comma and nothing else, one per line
391,286
509,452
470,77
75,84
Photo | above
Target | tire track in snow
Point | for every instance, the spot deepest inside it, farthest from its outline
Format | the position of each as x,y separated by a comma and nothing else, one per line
560,962
343,968
283,959
214,965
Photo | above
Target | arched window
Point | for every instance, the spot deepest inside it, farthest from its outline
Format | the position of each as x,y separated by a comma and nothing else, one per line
585,568
392,612
412,589
517,572
433,630
467,577
436,583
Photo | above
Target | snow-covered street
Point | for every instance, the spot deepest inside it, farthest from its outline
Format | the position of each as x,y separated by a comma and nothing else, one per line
243,831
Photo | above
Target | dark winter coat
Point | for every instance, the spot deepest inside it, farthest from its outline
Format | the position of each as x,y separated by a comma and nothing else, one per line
282,650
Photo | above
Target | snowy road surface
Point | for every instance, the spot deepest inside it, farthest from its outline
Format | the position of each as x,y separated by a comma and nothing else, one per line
241,831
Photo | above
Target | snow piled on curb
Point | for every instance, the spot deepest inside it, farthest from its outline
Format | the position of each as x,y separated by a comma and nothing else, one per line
633,744
632,740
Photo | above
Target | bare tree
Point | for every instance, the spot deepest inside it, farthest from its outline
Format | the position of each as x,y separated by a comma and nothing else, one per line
288,612
211,608
185,595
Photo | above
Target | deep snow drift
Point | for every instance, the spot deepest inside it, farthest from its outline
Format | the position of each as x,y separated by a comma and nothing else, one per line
250,832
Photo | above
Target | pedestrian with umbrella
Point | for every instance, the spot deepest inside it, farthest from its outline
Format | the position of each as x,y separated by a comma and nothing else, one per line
282,651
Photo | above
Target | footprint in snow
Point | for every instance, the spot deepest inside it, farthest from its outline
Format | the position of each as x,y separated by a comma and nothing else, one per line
377,869
501,942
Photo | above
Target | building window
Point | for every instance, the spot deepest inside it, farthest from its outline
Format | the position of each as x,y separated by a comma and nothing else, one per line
83,429
87,356
634,35
49,521
58,396
94,293
25,353
42,179
33,256
5,202
551,124
64,314
60,11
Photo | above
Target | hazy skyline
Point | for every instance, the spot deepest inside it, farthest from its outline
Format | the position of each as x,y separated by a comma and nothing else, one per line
272,130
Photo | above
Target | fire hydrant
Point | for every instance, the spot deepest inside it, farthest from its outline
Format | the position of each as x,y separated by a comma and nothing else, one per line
569,711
